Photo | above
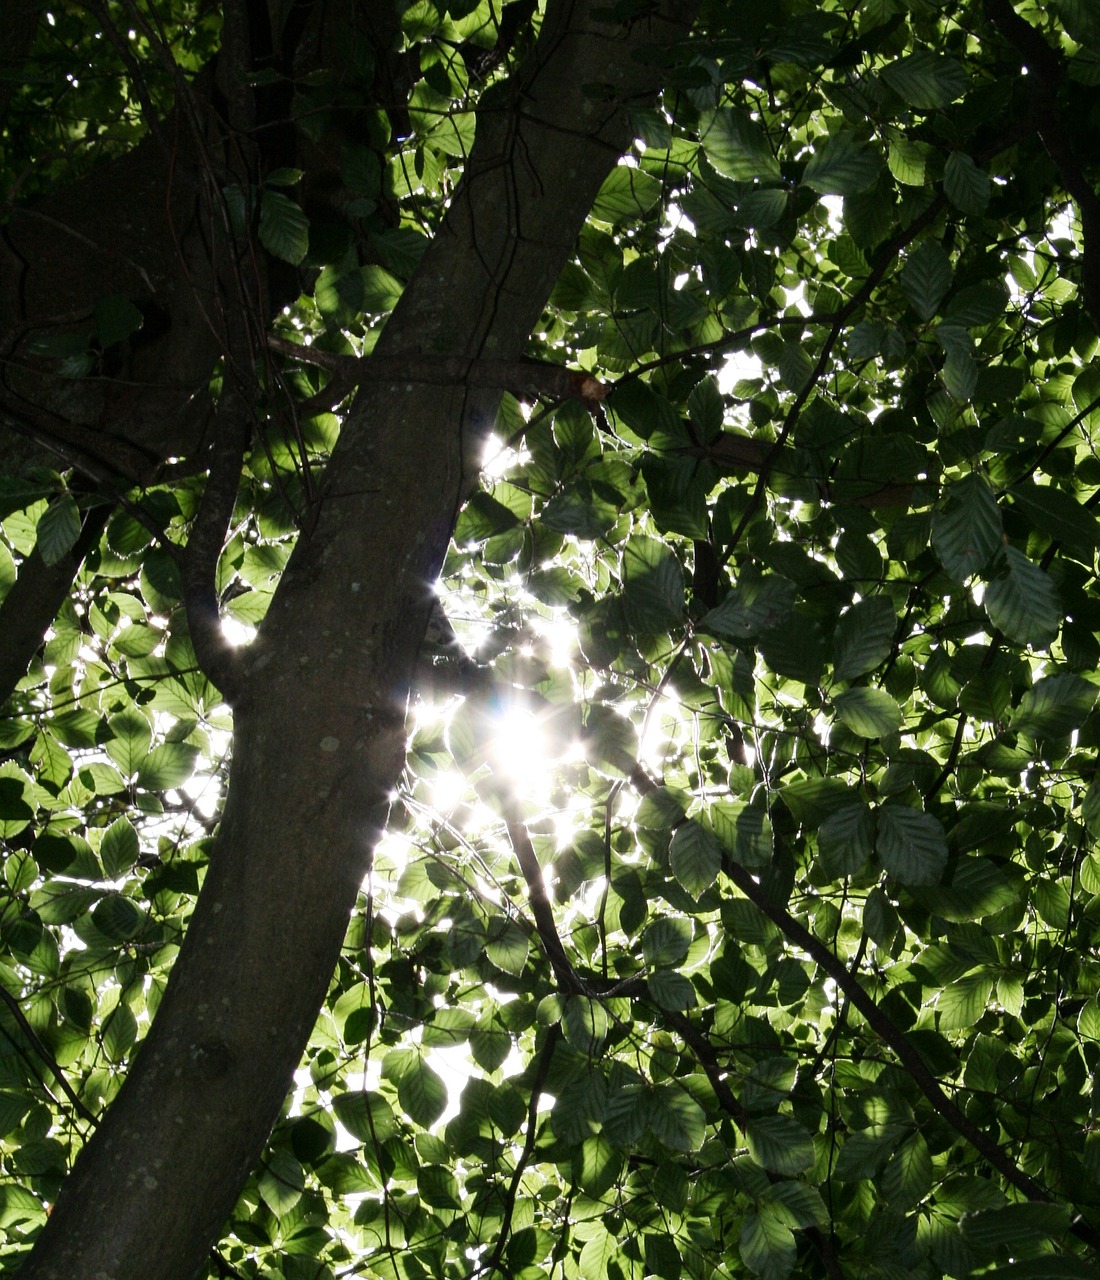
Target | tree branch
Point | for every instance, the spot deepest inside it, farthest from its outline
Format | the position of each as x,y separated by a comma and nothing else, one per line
743,453
47,1057
35,599
522,377
1046,73
538,1083
895,1038
567,977
199,562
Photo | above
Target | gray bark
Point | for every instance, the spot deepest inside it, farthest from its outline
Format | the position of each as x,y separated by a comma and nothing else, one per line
319,740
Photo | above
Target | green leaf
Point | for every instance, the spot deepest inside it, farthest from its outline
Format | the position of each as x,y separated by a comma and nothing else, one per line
870,713
1090,807
579,1113
281,1182
666,941
381,290
167,765
490,1044
400,248
653,585
596,1166
911,844
1015,1227
283,177
7,571
926,80
117,918
907,1176
284,228
507,946
1060,516
864,637
767,1244
843,166
676,1119
908,161
438,1187
645,411
598,1251
662,1258
752,608
745,831
863,1153
119,1032
968,187
421,1092
483,517
585,1024
779,1144
627,194
671,990
706,409
795,366
1050,1267
119,849
368,1117
926,278
964,1001
1022,600
58,529
968,532
1054,707
737,146
129,742
846,839
695,856
1088,1020
447,1027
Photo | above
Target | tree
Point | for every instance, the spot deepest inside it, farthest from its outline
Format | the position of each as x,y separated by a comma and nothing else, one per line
776,954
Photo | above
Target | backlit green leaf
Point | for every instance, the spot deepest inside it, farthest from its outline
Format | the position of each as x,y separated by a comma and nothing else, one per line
1022,600
767,1244
967,186
737,146
911,844
779,1144
676,1119
695,856
864,637
926,80
870,713
284,227
653,585
1054,706
58,528
968,531
843,166
926,277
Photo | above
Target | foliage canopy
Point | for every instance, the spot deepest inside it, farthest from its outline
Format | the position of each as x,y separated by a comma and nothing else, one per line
745,849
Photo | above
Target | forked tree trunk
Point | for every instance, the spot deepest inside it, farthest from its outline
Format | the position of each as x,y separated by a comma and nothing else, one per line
319,738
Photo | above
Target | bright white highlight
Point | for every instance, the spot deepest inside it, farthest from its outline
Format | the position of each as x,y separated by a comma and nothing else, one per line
519,749
739,366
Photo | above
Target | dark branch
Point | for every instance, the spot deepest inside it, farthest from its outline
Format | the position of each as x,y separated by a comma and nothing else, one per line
46,1056
568,979
892,1035
522,377
1046,74
198,570
35,599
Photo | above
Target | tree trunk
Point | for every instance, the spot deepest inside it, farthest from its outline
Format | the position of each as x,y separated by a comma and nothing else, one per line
319,740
